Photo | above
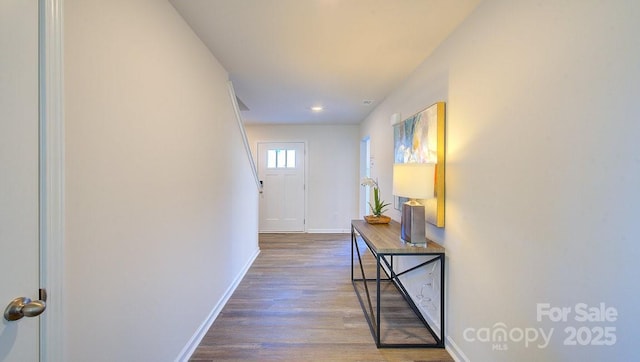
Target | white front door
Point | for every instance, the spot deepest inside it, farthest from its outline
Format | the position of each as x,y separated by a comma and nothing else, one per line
281,171
19,188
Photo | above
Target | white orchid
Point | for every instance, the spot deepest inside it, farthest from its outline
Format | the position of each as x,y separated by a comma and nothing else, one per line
378,206
368,181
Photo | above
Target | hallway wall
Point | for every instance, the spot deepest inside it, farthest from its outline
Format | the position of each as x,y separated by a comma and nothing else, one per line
161,206
542,175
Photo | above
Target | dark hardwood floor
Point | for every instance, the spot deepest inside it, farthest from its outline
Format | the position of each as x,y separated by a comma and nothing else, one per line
297,303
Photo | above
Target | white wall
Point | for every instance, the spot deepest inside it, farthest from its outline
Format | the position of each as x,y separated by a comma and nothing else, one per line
161,207
542,172
332,169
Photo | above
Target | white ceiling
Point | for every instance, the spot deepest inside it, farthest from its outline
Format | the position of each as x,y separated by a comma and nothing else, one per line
285,56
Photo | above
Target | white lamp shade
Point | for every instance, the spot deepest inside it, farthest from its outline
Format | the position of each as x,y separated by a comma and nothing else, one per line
413,180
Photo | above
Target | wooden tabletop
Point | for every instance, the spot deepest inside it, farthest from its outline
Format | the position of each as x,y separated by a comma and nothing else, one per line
385,239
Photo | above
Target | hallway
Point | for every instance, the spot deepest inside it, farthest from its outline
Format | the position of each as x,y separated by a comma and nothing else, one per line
297,303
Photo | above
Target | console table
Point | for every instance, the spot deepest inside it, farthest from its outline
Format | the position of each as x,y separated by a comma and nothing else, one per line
383,241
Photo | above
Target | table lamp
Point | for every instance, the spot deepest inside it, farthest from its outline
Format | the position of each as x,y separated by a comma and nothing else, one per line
414,181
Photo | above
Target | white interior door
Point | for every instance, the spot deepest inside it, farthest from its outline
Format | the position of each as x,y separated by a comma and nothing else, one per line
281,171
19,169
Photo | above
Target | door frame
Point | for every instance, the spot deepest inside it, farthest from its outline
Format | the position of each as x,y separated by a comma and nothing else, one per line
51,124
306,172
365,171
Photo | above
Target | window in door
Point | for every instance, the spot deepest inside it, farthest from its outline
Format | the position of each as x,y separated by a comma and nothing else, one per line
281,158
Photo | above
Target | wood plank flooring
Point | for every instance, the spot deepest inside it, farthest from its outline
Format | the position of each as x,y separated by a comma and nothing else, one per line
297,303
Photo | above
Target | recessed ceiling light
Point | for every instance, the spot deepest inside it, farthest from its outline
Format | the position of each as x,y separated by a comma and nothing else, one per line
317,108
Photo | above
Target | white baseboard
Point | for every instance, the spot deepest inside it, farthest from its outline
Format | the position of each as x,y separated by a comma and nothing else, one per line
195,340
455,351
329,231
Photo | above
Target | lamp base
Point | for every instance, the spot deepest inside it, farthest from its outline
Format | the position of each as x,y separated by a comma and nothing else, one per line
412,224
